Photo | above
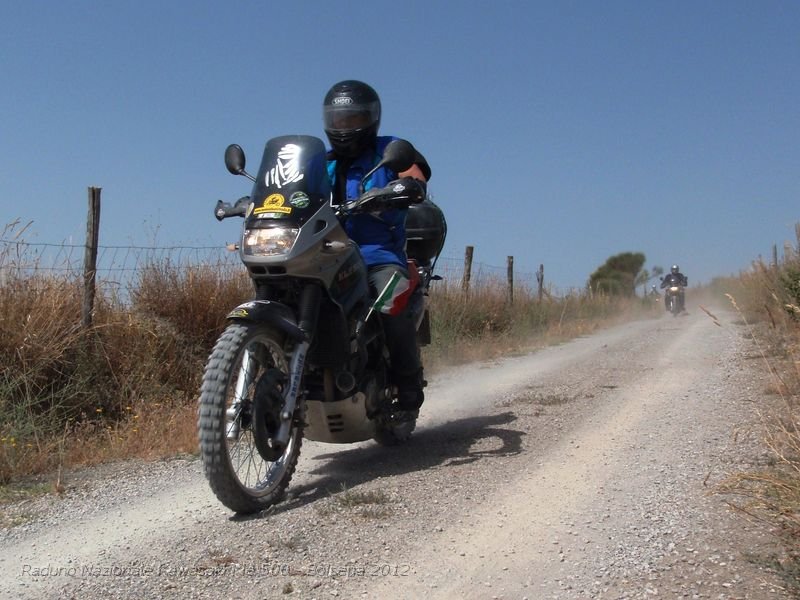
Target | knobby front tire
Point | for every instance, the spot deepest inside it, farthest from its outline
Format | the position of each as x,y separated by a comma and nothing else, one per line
240,477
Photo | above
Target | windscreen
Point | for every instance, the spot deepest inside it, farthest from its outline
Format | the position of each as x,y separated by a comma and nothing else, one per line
292,182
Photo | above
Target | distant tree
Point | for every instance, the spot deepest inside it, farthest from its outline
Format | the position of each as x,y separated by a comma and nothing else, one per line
618,276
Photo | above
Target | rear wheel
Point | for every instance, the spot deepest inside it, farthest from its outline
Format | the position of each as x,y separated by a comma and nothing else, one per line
241,399
388,433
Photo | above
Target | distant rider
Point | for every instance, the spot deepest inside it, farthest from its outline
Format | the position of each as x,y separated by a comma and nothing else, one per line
675,277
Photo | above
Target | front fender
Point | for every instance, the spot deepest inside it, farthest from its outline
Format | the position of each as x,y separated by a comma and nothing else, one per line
273,313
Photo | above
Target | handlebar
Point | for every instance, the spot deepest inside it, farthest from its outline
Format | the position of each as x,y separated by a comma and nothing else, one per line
398,194
223,210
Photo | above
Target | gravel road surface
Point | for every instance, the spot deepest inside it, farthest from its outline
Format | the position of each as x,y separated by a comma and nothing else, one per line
583,470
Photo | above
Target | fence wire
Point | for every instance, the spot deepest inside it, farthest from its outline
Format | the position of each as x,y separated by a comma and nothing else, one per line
119,267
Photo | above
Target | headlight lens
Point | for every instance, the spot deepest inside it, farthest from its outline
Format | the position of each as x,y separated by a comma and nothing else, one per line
269,242
675,289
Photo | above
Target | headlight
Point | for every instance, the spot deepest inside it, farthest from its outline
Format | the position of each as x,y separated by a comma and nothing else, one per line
269,242
674,289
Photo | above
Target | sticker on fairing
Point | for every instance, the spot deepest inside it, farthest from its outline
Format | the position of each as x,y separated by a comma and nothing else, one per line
299,200
274,203
287,167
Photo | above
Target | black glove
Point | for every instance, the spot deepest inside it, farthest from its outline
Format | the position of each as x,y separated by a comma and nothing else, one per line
408,191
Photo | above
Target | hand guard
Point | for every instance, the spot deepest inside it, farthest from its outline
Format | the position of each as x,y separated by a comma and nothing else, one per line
223,210
398,194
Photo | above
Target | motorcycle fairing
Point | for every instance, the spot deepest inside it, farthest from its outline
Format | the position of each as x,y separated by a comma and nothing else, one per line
292,190
350,283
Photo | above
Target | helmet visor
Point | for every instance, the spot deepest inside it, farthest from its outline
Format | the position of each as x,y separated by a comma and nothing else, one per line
343,118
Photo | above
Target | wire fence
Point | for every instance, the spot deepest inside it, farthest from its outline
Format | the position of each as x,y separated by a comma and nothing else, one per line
119,267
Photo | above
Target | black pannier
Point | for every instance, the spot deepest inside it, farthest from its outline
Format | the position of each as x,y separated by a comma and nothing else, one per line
426,230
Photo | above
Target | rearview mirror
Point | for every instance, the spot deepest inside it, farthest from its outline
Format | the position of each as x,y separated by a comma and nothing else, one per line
234,159
399,156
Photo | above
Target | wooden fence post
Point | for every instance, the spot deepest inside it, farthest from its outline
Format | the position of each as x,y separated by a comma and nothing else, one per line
467,270
510,277
540,281
90,257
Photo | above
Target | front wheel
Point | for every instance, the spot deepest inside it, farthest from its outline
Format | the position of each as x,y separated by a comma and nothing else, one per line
675,306
241,399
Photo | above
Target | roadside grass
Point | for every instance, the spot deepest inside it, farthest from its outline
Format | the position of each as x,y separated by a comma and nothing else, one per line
22,491
767,300
126,386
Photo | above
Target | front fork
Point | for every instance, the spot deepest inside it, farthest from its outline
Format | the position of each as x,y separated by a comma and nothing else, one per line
308,312
243,382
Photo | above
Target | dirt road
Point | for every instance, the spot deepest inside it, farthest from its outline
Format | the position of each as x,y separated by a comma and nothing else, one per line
580,471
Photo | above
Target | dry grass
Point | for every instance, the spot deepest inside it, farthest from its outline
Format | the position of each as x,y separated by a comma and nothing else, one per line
125,386
766,299
484,325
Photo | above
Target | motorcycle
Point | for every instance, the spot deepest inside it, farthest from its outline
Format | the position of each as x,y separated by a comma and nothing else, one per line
674,299
306,358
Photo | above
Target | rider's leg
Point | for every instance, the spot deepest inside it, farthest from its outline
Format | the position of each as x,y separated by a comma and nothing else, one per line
401,334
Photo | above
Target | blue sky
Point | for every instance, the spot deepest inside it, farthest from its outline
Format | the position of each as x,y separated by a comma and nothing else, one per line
558,132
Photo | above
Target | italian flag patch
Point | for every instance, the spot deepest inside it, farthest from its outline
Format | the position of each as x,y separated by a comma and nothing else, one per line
394,297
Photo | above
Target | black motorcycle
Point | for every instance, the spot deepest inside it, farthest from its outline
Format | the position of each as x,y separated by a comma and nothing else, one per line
307,357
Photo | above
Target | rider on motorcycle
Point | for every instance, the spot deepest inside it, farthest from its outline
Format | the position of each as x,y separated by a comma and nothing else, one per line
351,113
675,277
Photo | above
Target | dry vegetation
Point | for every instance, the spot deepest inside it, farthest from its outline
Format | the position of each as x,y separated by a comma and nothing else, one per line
123,387
768,301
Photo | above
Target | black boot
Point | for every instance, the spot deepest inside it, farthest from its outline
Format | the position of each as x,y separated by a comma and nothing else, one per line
409,391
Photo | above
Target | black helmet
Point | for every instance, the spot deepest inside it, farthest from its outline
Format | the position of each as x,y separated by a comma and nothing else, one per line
352,113
674,270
